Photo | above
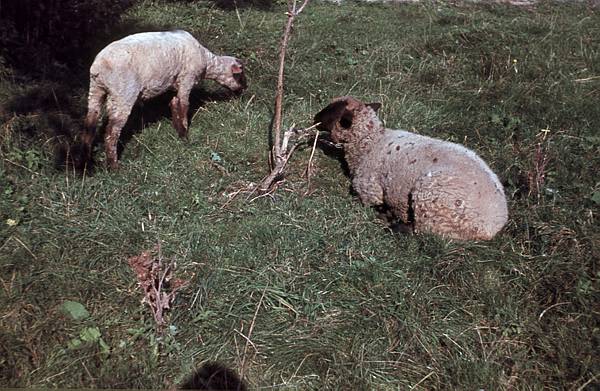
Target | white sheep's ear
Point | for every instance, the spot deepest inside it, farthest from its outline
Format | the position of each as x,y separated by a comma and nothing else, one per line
236,68
374,106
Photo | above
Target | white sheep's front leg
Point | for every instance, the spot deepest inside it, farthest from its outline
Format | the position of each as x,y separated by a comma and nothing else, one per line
179,109
369,189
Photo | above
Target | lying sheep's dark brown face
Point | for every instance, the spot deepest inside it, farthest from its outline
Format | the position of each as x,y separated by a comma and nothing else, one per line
335,119
339,116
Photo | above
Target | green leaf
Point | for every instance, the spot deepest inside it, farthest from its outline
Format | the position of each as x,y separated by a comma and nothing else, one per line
74,343
596,197
90,334
103,346
75,310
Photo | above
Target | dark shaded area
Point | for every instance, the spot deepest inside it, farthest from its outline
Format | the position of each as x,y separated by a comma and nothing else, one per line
394,223
47,112
229,5
214,376
333,151
153,110
47,38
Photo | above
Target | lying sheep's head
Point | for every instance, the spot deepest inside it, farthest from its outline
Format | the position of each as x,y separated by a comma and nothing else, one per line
228,72
347,119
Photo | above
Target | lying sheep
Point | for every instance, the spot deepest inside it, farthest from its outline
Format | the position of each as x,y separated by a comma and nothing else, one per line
435,185
146,65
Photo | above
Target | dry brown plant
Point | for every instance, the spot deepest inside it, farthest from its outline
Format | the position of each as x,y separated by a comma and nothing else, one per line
157,282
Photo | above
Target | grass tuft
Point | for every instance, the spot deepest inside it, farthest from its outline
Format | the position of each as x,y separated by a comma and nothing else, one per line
307,289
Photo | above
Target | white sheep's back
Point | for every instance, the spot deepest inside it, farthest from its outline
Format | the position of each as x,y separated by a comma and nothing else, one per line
150,62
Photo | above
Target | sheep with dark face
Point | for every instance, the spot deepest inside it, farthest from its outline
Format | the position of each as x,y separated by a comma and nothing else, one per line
146,65
435,185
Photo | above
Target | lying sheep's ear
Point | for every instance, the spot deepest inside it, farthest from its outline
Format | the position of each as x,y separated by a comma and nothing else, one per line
236,68
330,115
374,106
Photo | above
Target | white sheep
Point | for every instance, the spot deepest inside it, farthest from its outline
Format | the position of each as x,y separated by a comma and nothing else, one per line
145,65
435,185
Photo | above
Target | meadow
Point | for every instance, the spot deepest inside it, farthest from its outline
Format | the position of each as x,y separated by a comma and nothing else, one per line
305,288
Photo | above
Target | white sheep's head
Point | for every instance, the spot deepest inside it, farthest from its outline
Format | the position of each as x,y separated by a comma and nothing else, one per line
348,120
229,72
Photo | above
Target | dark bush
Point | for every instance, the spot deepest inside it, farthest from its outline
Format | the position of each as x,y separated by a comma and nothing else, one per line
53,35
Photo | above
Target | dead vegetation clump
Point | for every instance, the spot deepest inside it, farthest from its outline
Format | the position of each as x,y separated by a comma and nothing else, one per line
157,282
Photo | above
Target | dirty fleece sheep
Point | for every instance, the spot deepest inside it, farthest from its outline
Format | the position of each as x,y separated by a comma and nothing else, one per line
436,186
145,65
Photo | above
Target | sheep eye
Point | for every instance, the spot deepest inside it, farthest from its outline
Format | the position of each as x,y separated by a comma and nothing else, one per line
345,123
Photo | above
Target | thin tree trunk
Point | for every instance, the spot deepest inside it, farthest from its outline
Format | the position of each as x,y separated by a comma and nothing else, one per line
277,152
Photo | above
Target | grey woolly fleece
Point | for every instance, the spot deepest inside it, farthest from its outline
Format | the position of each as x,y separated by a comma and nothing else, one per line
438,186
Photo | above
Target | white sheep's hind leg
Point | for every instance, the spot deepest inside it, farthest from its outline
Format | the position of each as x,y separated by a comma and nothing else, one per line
118,112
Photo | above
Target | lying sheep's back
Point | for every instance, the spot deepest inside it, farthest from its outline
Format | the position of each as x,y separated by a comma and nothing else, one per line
415,155
408,159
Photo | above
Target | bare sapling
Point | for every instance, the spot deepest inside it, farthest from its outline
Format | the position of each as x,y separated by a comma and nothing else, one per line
284,145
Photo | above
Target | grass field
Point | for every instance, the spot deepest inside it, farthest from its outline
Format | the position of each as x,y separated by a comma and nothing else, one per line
307,289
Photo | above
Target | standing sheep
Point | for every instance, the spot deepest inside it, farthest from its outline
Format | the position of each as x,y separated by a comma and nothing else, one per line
146,65
435,185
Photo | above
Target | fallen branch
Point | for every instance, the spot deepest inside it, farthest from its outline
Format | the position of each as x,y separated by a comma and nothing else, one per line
285,153
309,165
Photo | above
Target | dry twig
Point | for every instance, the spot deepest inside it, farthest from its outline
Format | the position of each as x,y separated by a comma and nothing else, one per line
247,338
309,165
292,139
537,174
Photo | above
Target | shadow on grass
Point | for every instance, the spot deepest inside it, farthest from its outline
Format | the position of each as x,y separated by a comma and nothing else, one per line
146,113
214,376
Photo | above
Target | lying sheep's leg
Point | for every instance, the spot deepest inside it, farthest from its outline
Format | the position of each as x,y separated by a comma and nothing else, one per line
118,112
402,211
368,189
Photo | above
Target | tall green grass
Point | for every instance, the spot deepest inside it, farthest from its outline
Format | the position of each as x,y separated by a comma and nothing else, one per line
333,298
